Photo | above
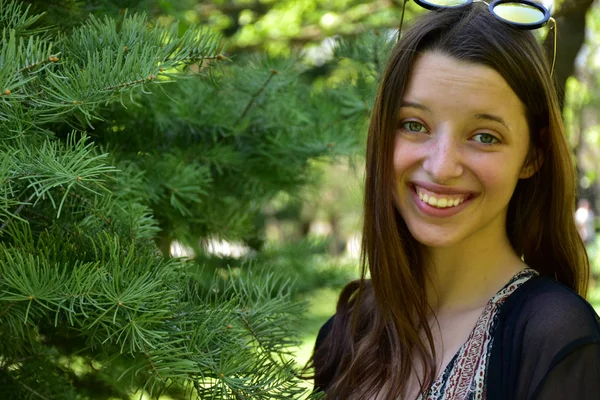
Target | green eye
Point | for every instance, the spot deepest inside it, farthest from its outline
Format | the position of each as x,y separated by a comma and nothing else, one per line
414,126
486,138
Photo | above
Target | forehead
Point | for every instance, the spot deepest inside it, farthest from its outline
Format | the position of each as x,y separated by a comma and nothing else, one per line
441,81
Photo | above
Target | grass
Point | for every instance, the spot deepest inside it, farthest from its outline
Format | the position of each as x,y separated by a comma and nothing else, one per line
594,296
321,307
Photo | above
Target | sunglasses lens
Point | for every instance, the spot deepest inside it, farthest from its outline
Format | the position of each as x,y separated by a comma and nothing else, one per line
445,3
519,13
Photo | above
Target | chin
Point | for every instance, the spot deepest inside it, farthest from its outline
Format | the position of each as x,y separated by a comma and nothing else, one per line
435,238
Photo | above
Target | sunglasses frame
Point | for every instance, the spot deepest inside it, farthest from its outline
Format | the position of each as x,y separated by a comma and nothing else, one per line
536,25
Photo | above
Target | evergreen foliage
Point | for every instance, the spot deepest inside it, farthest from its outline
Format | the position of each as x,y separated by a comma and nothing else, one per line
117,137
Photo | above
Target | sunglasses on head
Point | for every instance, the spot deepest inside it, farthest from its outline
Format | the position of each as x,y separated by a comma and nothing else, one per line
522,14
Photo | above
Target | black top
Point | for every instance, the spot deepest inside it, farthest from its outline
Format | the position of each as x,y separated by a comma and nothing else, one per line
546,345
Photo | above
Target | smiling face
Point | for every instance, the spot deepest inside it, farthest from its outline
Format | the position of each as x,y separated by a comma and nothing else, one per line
460,149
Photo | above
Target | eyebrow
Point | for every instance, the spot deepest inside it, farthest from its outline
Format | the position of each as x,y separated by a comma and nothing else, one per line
491,117
412,104
483,116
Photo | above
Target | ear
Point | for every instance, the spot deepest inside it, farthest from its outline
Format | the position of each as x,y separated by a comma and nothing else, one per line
528,170
533,163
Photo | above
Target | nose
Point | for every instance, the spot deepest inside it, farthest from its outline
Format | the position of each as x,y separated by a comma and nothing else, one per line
443,160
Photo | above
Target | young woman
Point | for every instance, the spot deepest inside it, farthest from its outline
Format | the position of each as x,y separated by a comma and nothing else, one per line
476,267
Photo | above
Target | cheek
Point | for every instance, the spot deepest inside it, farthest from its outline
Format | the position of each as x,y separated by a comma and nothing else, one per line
498,180
405,156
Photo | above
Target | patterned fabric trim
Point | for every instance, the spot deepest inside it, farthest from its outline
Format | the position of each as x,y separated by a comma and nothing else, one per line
464,376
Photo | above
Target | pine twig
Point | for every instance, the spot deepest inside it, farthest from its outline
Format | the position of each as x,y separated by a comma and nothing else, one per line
7,309
218,57
257,338
251,331
50,59
132,83
88,203
151,77
152,365
5,224
255,96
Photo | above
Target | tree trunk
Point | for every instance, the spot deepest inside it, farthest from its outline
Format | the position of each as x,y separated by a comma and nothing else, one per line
570,22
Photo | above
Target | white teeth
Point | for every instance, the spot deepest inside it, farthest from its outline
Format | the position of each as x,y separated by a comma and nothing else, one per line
441,202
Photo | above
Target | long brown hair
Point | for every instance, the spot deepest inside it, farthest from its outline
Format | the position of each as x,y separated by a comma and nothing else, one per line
376,330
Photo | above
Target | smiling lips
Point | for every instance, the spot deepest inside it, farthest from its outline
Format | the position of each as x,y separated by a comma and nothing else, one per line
440,200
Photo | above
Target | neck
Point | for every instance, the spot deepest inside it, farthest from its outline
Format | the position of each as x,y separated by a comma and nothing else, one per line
464,277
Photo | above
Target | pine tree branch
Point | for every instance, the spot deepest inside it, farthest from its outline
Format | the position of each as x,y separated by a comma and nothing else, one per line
6,310
156,373
255,96
49,220
88,243
12,16
256,337
219,57
52,59
88,203
150,78
17,212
